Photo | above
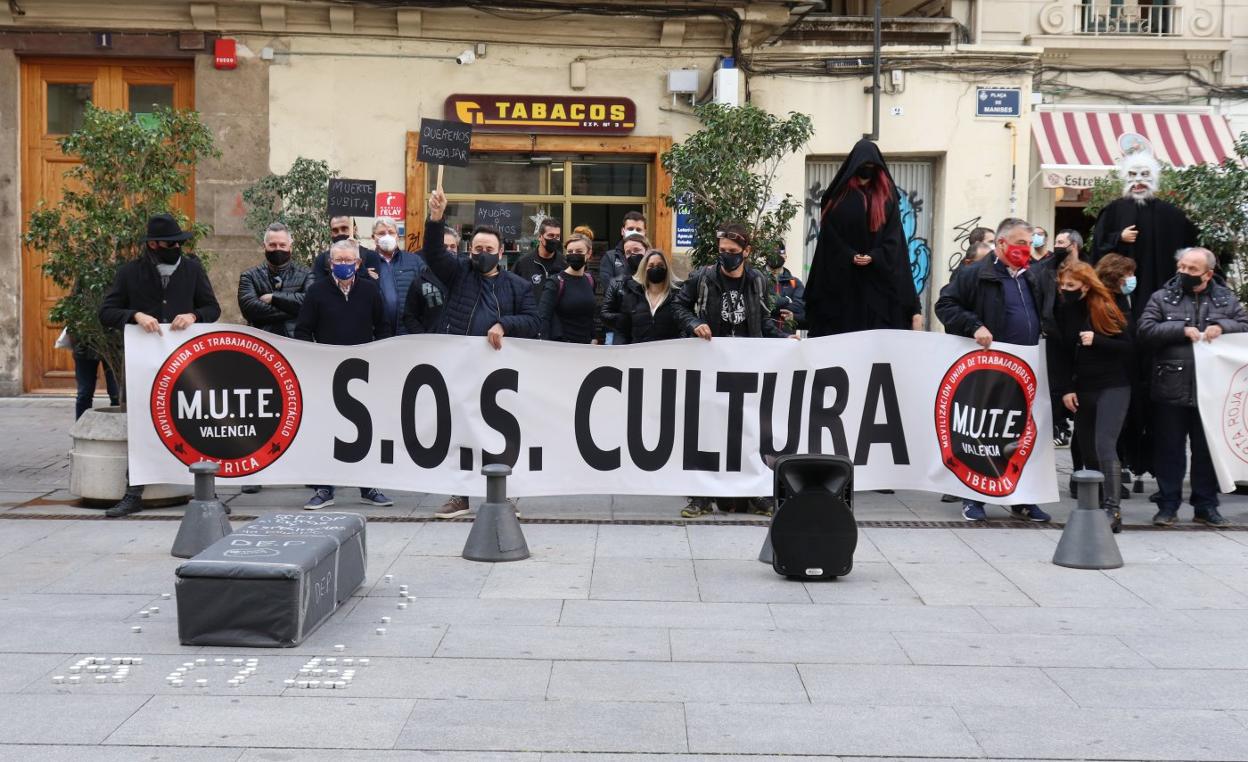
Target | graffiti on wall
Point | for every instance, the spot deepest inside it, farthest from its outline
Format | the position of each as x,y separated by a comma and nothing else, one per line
961,242
920,252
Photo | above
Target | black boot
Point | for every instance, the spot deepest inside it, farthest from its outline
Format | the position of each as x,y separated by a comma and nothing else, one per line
1112,496
132,502
1115,517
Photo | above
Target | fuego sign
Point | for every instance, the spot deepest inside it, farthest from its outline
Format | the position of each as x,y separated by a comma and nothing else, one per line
544,114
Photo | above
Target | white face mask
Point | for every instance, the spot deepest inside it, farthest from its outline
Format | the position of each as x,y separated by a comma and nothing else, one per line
387,242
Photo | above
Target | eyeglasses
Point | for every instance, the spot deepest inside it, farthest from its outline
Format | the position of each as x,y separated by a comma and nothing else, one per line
728,235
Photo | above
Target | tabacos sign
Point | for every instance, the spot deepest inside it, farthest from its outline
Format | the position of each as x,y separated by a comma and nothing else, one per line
544,114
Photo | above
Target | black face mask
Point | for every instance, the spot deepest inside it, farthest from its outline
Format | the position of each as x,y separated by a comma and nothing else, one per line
656,274
277,257
1060,251
553,247
775,262
1189,283
864,173
576,261
633,260
339,237
730,262
1071,297
168,256
484,262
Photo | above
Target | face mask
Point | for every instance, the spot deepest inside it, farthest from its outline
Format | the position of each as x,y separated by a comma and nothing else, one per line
576,261
863,173
277,257
339,237
1189,283
1037,241
387,242
730,262
1128,285
485,262
168,256
656,274
1060,251
343,270
554,247
1018,256
633,260
1071,297
775,263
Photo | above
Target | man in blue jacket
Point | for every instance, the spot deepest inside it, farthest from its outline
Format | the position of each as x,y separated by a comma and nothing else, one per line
397,270
481,299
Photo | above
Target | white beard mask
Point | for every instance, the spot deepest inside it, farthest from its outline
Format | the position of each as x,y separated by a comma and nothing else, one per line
1142,176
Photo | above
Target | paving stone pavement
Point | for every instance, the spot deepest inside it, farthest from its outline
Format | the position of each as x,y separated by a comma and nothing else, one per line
633,643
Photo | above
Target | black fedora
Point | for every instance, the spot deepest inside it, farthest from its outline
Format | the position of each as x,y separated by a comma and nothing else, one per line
163,227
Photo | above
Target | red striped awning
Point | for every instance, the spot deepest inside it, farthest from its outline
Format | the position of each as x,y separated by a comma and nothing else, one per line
1088,139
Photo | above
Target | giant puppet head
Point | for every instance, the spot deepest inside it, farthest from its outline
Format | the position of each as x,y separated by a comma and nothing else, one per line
1140,170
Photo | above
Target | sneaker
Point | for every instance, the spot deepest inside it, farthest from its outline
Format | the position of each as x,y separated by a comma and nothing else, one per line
762,506
947,498
1211,518
1030,513
250,489
127,505
322,498
454,508
696,508
1165,518
374,496
973,511
1062,439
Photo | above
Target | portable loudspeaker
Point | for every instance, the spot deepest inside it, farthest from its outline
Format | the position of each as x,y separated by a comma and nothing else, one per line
813,534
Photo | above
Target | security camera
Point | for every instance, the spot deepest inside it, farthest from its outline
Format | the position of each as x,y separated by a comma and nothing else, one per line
467,57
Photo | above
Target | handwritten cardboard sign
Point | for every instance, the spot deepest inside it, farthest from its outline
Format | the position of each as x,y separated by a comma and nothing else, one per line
356,198
446,143
505,218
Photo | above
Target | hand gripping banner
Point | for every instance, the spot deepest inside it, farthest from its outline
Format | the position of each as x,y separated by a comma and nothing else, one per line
913,410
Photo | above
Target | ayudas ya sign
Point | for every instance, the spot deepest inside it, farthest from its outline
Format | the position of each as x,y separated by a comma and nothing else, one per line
424,413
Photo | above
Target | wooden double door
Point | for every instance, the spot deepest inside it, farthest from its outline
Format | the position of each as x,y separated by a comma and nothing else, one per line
55,93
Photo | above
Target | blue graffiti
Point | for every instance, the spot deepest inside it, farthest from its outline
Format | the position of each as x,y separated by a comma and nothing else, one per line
920,253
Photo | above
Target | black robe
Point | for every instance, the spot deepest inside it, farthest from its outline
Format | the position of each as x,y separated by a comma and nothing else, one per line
1163,229
842,297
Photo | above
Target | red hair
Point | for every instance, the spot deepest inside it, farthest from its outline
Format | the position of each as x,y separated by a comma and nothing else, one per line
879,192
1103,311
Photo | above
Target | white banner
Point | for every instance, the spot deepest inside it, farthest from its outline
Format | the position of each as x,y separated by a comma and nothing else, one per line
1222,395
913,410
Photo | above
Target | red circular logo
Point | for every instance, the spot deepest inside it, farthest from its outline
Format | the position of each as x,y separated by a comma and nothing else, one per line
227,397
984,422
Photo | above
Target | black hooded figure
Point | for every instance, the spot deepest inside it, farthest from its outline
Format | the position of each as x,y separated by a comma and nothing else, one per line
860,275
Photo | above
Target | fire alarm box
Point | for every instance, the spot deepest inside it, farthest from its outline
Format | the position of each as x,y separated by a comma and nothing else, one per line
225,54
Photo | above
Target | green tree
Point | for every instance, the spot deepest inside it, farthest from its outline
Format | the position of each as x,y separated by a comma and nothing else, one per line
129,171
299,199
1215,199
724,172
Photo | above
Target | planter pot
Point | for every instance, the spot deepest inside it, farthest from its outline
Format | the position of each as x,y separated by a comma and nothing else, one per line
97,471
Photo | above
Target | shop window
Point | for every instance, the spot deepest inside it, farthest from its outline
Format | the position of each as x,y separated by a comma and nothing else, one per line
66,104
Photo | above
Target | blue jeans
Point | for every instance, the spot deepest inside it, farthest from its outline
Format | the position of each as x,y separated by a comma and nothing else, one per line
86,373
1174,427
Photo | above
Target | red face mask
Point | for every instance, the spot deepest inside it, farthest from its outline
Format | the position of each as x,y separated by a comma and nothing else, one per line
1018,256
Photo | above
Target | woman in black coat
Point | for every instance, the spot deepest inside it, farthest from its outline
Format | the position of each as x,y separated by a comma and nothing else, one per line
644,302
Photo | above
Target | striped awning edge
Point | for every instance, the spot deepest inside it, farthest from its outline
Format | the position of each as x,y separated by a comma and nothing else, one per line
1079,138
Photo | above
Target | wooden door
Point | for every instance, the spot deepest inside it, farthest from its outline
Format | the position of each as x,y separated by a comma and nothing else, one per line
54,96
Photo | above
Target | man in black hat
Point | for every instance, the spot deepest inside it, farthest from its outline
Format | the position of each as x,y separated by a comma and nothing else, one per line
161,286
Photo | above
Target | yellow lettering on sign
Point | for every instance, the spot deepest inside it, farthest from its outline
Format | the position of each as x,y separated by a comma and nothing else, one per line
597,112
577,111
617,112
558,113
501,107
469,112
519,112
539,110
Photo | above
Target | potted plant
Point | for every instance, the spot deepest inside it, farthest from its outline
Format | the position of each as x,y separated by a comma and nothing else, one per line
129,170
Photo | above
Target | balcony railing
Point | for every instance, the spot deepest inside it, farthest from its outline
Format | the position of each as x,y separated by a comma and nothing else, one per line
1118,19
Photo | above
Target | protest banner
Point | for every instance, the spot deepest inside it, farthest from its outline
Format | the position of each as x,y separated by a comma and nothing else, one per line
1222,396
352,198
685,417
444,143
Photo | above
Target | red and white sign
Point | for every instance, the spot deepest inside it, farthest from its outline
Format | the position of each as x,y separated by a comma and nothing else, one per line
391,204
225,54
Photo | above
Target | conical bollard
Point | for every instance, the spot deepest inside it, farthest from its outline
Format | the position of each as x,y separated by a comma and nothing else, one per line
1087,541
205,520
496,534
768,553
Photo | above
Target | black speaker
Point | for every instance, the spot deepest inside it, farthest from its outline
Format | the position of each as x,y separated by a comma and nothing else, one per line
813,534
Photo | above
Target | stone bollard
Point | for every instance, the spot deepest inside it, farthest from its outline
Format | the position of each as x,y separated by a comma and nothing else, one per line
1087,541
496,534
205,520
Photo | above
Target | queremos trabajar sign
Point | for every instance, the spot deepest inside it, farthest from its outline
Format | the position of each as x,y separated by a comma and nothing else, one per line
551,114
227,397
